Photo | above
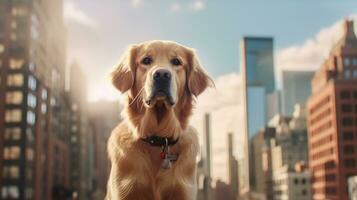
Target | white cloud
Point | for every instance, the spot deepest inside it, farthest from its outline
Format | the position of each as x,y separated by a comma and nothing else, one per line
310,54
75,14
198,5
224,105
176,7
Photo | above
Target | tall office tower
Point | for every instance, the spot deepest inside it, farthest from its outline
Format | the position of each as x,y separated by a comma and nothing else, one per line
332,120
296,89
34,153
259,142
207,157
81,138
104,116
257,69
232,168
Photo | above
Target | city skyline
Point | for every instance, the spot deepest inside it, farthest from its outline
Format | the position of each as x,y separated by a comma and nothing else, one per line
98,34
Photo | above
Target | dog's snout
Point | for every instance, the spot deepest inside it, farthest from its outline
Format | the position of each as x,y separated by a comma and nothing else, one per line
162,74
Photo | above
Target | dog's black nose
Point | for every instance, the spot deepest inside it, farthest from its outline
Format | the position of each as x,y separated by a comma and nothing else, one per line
162,74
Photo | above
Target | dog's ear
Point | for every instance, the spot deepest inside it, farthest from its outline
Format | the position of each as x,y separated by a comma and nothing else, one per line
123,75
198,80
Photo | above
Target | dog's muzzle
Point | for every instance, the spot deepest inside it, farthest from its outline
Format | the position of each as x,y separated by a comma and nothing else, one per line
161,87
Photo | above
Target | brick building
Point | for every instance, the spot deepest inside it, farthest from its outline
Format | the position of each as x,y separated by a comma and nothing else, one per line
332,120
34,155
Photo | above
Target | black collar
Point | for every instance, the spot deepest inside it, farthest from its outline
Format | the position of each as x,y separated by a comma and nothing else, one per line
160,141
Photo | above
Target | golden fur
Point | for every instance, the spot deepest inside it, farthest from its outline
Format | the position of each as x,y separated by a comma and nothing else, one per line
136,171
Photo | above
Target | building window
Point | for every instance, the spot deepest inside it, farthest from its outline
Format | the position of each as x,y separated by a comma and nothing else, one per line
354,74
18,11
10,192
32,83
12,153
12,133
348,135
30,154
16,63
347,73
349,163
346,61
44,94
31,100
346,108
345,95
15,80
13,115
11,172
348,149
43,108
29,135
347,121
14,97
2,48
354,61
31,117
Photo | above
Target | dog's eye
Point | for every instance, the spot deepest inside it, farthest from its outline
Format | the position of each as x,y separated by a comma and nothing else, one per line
176,62
146,61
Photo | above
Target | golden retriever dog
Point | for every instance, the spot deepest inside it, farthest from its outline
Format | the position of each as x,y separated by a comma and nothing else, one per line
153,151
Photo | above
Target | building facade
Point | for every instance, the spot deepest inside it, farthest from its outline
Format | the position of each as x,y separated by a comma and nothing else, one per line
257,69
296,89
34,157
291,185
104,116
332,120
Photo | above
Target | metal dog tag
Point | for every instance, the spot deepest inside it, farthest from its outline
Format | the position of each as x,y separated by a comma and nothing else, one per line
166,164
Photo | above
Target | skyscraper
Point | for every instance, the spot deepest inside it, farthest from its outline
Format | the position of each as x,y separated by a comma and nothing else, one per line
34,157
332,121
257,69
296,89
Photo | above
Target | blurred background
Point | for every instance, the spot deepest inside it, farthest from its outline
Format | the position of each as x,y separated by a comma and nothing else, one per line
280,124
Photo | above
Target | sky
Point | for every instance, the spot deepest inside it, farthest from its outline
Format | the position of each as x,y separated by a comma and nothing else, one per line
98,32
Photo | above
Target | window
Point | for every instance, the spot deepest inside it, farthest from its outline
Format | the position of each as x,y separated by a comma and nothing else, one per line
348,149
16,63
15,80
354,74
354,61
43,108
44,94
18,11
350,163
347,121
14,97
10,192
31,117
31,100
346,108
30,154
2,48
12,153
345,95
347,73
11,172
29,134
348,135
13,115
346,62
296,181
32,83
12,133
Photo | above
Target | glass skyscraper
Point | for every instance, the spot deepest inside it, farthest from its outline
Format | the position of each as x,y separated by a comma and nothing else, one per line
257,69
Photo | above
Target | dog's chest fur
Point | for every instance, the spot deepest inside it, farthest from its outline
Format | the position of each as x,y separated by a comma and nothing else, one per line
135,162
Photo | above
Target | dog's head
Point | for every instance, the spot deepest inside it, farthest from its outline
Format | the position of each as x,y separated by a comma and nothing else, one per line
160,75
